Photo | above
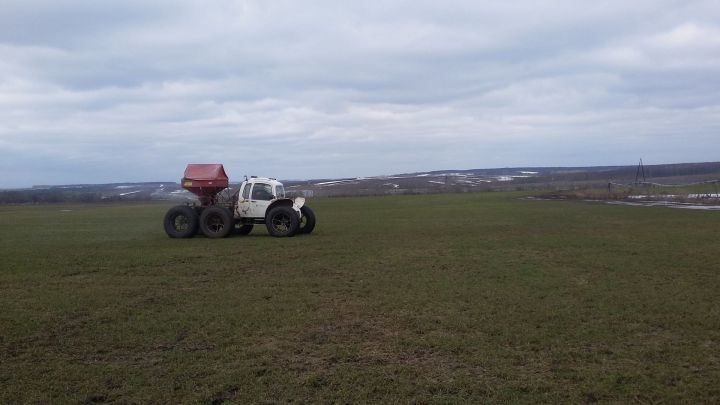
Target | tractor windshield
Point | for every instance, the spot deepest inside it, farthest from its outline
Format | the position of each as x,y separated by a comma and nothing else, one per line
261,191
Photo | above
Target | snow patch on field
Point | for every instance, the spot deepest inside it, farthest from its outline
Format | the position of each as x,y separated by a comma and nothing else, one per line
703,195
334,182
129,192
668,204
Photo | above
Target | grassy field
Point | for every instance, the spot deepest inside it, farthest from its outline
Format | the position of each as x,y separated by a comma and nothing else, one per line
442,298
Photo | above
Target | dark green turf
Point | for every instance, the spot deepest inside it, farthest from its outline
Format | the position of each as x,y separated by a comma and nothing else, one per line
442,298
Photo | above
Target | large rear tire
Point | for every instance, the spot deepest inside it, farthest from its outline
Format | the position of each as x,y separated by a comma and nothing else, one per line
181,221
307,222
282,221
216,222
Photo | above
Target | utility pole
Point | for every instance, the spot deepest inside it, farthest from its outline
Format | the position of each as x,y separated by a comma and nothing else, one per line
640,171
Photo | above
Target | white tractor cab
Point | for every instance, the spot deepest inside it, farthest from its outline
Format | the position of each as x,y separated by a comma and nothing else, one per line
259,200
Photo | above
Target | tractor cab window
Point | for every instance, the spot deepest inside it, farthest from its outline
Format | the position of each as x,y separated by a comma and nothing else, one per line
280,191
262,191
246,191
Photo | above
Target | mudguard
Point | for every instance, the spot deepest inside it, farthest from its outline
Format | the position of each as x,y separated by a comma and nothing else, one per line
296,204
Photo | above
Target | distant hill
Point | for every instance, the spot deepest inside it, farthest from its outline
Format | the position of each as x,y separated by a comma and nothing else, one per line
499,179
453,180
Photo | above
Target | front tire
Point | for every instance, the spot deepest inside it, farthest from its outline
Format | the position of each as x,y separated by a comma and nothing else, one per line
282,221
307,222
216,222
181,221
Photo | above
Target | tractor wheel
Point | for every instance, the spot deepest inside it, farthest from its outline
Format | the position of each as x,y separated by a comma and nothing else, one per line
181,222
307,222
216,222
243,229
282,221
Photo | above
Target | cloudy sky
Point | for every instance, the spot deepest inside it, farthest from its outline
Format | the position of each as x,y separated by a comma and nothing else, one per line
110,91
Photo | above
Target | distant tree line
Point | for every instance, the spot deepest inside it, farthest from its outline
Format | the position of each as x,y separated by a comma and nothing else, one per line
44,196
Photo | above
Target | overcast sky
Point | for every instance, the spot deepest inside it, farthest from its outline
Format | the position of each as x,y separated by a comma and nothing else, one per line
110,91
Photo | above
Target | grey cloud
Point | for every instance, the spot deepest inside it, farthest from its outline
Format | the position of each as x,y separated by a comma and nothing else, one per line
135,90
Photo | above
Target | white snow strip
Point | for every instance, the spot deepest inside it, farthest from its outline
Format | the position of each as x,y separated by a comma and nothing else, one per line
703,195
328,183
698,207
640,197
128,193
667,204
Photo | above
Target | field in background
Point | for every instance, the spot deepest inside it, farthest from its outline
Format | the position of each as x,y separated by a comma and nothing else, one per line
703,193
439,298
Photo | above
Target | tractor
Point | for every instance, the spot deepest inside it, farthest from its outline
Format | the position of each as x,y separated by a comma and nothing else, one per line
258,200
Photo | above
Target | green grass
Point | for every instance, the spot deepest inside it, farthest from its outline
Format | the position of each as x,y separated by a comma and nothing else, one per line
442,298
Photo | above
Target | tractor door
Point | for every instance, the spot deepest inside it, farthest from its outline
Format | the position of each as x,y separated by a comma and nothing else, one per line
260,197
243,203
